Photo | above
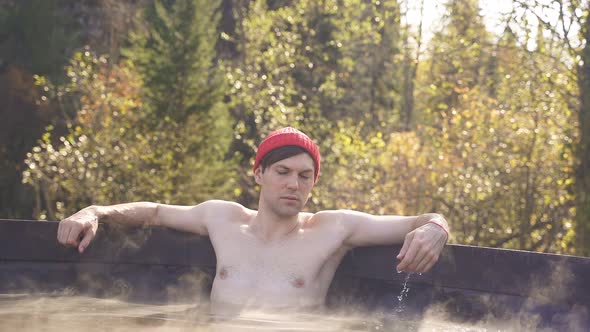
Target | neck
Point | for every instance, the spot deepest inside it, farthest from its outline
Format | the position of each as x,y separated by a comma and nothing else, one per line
268,226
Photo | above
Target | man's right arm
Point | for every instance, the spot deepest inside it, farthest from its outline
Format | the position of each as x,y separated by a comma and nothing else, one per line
79,229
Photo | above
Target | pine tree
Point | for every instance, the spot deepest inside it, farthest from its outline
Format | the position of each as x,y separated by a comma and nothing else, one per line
459,56
186,119
369,68
174,52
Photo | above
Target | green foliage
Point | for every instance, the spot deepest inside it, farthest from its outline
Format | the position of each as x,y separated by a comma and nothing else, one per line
499,122
89,163
107,157
369,72
383,173
34,38
459,54
582,151
492,145
173,51
307,65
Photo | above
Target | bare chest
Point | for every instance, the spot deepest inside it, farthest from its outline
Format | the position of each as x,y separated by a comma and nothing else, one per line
297,269
295,261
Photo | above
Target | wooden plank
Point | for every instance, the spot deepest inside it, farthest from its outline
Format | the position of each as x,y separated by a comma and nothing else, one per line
547,277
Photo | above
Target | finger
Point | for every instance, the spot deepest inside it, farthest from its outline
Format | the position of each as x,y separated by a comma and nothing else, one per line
405,246
62,236
408,256
73,236
65,234
421,255
430,265
88,236
425,262
419,250
59,232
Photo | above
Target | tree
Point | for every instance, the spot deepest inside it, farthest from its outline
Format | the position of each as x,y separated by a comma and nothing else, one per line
151,128
311,64
286,77
173,51
93,162
583,150
458,59
493,139
370,68
32,41
567,23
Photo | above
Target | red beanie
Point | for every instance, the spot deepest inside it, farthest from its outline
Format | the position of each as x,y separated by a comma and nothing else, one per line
289,136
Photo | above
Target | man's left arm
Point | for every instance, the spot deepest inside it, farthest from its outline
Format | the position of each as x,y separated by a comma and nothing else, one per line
423,236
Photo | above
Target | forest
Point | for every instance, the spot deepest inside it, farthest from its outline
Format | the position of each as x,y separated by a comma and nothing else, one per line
106,101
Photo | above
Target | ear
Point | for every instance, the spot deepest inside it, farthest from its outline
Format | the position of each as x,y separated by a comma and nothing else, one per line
258,175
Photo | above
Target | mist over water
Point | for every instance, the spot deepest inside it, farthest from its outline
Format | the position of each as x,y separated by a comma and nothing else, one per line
56,312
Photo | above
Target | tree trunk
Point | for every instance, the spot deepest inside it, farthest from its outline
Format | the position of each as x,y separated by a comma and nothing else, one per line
583,151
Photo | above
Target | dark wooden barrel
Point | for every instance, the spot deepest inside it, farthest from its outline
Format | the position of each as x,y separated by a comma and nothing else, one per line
155,265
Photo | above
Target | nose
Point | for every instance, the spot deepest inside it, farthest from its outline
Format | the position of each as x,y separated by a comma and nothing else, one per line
293,182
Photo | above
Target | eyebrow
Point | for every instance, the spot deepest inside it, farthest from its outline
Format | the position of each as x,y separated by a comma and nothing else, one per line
287,168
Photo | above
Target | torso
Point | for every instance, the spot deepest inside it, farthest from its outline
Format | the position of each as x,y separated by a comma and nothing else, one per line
295,272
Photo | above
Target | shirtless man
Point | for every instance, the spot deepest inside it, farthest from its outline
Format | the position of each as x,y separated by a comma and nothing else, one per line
278,256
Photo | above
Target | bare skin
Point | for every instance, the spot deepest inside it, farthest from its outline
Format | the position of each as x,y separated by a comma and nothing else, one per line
278,256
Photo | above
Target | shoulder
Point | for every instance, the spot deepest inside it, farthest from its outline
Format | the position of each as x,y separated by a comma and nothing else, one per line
332,224
324,218
342,219
217,207
335,215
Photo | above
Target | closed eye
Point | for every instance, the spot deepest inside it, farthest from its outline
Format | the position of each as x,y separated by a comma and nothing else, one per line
283,170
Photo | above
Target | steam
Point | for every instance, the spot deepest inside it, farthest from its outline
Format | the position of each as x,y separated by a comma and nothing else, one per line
59,312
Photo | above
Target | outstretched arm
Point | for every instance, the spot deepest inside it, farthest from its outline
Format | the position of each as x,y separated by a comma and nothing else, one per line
423,236
79,229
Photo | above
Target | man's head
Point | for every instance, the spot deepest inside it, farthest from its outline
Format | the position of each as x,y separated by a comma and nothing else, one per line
284,143
286,168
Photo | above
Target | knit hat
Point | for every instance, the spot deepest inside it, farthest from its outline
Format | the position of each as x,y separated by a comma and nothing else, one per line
289,136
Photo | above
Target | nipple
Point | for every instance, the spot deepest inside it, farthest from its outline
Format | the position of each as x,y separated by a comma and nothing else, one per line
223,273
298,282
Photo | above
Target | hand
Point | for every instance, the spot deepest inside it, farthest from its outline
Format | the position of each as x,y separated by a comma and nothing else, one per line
421,248
80,225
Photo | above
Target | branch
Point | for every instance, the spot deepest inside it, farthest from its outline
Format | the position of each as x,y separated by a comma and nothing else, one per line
518,234
547,24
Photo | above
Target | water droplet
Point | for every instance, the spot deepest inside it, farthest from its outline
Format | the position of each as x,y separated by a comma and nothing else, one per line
404,293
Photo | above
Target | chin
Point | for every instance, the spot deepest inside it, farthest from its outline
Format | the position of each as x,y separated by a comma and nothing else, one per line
290,213
287,212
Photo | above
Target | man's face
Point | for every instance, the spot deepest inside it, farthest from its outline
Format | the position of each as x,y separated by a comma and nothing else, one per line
286,184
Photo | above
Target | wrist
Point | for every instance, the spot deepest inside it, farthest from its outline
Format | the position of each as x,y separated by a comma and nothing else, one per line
96,212
440,225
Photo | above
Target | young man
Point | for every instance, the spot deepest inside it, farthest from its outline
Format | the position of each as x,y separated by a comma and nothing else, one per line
277,256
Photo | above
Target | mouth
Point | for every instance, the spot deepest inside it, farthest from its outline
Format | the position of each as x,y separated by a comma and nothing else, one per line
290,198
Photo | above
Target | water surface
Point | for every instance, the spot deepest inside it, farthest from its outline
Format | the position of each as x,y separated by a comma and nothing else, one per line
56,312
